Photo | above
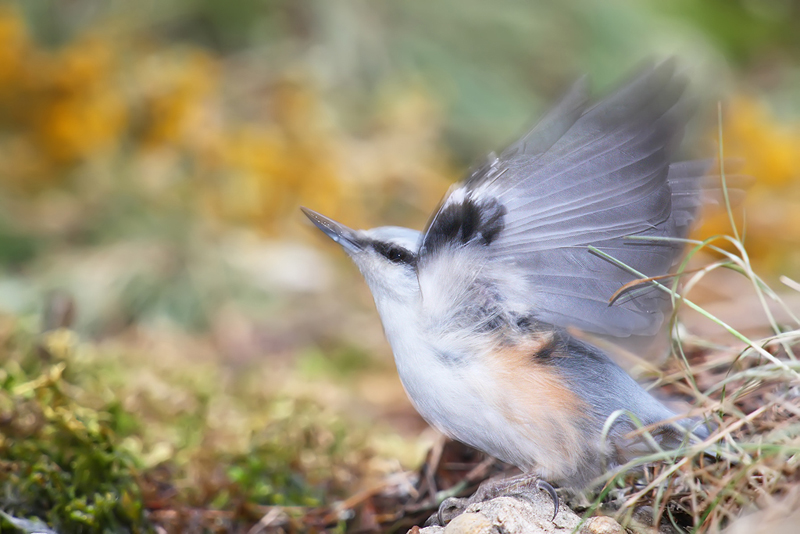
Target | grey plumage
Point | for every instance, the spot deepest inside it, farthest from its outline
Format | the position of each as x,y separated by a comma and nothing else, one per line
593,177
477,307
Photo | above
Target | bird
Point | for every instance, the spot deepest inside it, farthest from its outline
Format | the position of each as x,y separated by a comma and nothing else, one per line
482,308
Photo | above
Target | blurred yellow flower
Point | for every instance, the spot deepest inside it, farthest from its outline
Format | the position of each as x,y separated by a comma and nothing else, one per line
159,113
769,151
268,170
14,48
173,89
59,107
81,112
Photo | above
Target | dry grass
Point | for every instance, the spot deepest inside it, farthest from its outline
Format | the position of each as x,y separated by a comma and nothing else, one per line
747,390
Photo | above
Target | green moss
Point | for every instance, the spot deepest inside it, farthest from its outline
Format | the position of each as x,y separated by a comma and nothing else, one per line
73,457
294,460
61,461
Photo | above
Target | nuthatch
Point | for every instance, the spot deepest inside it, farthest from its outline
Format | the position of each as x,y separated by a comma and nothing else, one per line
479,308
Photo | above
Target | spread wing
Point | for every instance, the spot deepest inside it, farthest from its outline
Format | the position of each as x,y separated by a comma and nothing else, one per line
522,224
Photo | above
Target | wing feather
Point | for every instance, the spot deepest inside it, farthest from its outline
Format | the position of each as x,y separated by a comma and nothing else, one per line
583,176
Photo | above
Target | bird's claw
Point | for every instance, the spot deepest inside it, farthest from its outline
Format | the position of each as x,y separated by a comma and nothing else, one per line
445,512
544,485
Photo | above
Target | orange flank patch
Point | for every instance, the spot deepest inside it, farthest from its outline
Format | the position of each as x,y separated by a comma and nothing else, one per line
534,398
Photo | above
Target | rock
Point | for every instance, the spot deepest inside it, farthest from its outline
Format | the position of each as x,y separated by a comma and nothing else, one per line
511,515
469,523
602,525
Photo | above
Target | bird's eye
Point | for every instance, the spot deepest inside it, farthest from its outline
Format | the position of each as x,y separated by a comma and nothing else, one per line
394,253
398,255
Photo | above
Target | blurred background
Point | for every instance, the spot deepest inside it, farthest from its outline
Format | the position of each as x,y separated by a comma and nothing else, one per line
153,156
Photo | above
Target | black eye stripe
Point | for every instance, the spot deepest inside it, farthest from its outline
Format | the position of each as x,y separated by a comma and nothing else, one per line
394,253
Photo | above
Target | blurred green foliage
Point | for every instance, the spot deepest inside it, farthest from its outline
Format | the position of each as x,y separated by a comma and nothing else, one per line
745,31
165,125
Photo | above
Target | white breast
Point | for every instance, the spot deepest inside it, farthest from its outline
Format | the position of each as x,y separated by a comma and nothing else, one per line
453,391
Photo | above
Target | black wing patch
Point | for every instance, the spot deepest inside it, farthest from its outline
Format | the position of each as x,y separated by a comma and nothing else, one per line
466,221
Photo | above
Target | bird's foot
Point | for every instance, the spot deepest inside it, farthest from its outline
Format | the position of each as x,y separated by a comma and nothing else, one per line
523,486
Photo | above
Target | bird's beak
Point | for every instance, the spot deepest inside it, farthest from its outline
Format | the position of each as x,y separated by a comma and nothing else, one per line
340,233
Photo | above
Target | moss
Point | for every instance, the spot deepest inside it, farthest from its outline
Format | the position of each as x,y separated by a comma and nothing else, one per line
61,460
78,454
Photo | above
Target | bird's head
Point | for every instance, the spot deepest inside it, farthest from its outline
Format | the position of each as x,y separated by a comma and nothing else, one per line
386,256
